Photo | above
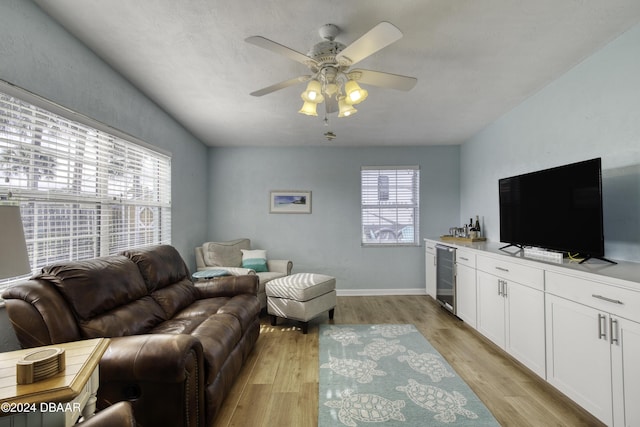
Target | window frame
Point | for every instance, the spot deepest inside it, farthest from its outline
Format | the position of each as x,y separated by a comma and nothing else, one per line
399,196
90,186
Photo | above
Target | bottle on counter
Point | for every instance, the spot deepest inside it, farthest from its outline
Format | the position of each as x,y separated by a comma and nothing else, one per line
477,226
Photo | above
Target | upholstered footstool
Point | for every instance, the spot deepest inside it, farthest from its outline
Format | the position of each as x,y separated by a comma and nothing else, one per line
301,296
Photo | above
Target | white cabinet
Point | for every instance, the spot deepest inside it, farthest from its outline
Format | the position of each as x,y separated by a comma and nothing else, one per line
491,321
466,300
510,313
578,326
579,360
593,352
625,357
525,338
430,267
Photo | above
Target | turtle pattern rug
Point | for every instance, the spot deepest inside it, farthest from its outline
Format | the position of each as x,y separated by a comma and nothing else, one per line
390,375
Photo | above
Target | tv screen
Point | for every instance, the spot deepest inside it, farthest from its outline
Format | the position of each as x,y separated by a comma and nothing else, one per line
558,209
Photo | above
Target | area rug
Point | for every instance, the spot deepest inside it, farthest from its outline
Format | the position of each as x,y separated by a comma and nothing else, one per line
391,375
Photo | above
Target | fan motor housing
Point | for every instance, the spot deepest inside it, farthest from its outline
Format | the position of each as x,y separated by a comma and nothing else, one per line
324,53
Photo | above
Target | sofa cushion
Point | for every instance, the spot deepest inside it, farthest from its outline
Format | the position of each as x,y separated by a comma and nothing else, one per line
175,297
179,326
95,286
137,317
255,259
201,308
224,254
160,265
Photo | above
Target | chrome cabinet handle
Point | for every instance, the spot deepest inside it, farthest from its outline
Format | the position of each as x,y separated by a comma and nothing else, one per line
463,258
602,332
502,288
615,301
613,329
506,270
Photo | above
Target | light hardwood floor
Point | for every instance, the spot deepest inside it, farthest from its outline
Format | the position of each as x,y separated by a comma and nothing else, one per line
278,386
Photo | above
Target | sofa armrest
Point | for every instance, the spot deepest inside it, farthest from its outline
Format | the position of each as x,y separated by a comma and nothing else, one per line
162,375
117,415
234,271
280,265
228,286
150,357
39,314
200,264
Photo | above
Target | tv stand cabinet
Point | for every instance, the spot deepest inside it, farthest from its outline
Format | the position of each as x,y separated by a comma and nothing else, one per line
576,325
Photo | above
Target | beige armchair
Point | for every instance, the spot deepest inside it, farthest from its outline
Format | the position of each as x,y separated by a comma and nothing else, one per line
228,256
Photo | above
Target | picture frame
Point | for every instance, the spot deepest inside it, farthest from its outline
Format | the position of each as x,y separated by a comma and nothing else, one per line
290,202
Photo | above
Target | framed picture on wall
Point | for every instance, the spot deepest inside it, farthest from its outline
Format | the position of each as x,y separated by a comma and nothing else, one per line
290,201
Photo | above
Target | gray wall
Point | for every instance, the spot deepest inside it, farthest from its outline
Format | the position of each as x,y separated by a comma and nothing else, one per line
40,56
328,240
591,111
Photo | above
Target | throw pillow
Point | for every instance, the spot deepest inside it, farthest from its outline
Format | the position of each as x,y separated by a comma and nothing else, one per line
255,259
224,254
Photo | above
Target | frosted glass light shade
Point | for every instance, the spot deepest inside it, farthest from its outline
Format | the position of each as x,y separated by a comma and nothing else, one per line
355,94
309,108
345,109
313,92
14,259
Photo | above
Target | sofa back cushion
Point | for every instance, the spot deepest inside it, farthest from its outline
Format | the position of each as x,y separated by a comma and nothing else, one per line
225,254
92,287
166,276
160,265
175,297
137,317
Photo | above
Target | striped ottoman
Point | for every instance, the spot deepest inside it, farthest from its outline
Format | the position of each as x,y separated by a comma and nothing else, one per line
301,296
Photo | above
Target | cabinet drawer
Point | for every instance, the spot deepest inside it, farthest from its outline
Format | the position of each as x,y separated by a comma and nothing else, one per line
601,296
530,276
430,247
466,258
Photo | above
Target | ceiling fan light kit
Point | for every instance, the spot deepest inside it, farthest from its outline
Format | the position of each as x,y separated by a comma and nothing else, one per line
355,94
313,92
344,108
309,108
333,82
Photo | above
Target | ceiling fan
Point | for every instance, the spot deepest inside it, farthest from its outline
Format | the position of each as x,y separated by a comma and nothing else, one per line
332,80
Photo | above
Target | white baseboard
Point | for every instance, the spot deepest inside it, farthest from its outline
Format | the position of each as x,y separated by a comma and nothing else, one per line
378,292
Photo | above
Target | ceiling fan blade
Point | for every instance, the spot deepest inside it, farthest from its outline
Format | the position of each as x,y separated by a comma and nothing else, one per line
281,85
380,79
280,49
380,36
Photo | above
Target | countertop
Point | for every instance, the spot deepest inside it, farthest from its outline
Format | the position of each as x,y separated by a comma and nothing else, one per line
625,273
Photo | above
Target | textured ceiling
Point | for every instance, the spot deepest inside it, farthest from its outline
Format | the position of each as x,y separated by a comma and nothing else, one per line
474,61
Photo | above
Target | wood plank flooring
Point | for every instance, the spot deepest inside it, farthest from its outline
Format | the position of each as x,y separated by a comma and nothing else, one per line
278,385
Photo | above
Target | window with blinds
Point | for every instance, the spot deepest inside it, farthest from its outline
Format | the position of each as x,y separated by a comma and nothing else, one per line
390,205
83,192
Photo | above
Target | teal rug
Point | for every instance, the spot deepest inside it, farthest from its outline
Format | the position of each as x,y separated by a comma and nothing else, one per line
391,376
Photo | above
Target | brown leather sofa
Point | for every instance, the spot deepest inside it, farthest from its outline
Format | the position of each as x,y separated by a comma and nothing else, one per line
117,415
176,347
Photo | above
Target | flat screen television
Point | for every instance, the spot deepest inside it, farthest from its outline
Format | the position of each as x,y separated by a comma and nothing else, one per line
558,209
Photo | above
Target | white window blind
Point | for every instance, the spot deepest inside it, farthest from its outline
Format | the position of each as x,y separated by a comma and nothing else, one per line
390,205
83,192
